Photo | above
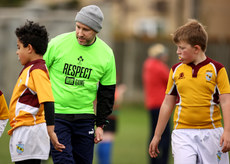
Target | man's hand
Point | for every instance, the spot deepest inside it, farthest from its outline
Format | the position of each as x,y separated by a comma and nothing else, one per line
98,135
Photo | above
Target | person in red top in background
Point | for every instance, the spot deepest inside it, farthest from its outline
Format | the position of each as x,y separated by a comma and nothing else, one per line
155,77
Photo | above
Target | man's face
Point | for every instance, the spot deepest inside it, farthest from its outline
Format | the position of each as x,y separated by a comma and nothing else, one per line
85,35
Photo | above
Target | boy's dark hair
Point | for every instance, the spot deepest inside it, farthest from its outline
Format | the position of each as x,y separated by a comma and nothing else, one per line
193,33
35,35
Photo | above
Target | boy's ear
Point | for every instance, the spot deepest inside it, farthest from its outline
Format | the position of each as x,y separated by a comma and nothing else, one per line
197,48
30,48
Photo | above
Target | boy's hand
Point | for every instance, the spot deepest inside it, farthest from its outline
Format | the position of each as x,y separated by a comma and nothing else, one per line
225,142
153,147
53,137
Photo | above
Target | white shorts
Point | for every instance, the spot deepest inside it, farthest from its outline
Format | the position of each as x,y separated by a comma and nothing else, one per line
198,146
30,142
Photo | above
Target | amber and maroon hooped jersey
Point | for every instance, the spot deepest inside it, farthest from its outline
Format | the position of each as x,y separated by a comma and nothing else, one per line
32,89
198,88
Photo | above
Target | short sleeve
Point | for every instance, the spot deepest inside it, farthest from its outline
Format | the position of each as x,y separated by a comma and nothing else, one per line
3,107
171,87
223,81
109,78
49,55
42,86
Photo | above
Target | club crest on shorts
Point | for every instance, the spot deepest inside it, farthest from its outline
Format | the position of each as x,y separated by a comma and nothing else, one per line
20,148
218,155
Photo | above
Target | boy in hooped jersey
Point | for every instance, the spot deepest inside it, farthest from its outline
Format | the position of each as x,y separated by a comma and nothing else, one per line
196,86
32,96
3,113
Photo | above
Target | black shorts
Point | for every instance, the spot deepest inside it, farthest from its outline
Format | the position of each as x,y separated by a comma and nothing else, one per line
111,126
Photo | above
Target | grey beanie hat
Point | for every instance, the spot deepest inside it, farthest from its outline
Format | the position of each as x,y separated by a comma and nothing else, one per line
91,16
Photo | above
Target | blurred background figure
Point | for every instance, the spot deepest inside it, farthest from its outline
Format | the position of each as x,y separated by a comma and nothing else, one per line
155,76
105,147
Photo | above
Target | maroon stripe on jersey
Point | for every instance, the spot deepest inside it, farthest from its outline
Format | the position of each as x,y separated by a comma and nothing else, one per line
174,90
175,93
216,97
39,64
217,65
197,67
29,99
1,93
35,62
175,65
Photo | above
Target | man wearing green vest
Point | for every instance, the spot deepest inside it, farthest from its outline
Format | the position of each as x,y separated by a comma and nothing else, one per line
82,69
